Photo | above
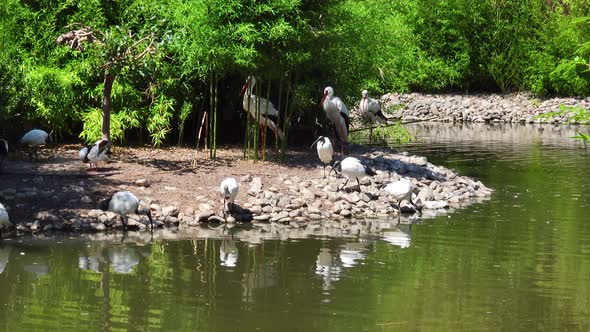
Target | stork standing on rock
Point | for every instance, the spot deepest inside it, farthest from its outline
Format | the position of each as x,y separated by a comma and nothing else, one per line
33,138
337,113
96,153
3,152
371,110
325,150
251,102
229,190
124,203
352,168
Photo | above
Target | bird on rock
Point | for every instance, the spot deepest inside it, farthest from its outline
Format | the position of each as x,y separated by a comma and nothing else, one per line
352,168
125,203
325,150
3,152
371,110
35,138
337,113
229,190
4,219
400,190
96,153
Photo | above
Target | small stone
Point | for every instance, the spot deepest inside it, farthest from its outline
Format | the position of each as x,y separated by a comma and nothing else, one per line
204,216
230,219
170,211
346,213
142,183
246,178
85,199
215,219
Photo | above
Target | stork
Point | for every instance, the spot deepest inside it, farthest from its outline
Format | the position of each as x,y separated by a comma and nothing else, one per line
96,153
3,152
251,102
4,219
325,150
229,190
371,110
337,113
124,203
35,137
352,168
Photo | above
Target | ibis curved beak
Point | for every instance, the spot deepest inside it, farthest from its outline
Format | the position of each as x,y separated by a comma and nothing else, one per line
314,142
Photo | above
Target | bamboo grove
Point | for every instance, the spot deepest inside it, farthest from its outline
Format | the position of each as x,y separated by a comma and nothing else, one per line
169,71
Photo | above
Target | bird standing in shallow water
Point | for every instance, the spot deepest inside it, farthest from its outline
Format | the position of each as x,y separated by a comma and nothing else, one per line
4,219
337,113
400,190
352,168
229,190
371,110
124,203
325,150
3,152
35,137
96,153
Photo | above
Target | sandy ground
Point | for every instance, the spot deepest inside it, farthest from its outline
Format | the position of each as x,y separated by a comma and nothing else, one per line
183,177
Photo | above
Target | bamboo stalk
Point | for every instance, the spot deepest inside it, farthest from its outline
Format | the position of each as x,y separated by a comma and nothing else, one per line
287,118
279,113
216,80
264,138
257,121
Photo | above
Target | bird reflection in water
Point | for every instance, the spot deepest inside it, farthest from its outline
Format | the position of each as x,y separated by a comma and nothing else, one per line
400,236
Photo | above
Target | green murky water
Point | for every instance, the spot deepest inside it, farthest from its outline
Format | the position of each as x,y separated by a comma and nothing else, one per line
518,262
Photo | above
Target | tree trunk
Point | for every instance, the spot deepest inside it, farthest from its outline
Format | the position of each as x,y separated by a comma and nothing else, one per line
106,105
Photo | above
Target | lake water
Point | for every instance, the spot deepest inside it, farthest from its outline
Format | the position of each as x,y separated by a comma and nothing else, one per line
517,262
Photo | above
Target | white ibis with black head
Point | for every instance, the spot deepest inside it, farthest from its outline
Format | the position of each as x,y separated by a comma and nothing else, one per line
337,113
250,104
371,110
125,203
325,150
3,152
4,219
352,168
400,190
35,138
100,151
229,190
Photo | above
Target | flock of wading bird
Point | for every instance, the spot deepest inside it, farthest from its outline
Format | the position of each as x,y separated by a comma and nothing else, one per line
125,202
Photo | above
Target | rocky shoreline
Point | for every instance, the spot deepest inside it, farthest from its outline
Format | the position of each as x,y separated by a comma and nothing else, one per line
300,201
480,108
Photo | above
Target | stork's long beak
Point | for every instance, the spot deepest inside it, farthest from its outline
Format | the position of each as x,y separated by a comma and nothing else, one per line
323,98
244,88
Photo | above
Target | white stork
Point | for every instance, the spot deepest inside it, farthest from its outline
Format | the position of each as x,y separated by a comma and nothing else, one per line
325,150
4,219
250,104
96,153
352,168
337,113
371,110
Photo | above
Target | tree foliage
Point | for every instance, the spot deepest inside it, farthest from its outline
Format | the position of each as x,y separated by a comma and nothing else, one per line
407,45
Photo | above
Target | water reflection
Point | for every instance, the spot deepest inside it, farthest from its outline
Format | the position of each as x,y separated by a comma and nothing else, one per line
4,256
121,257
228,253
400,236
352,253
327,267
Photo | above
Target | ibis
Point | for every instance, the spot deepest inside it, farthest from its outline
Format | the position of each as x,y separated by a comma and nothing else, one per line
35,138
352,168
229,190
125,203
400,190
325,150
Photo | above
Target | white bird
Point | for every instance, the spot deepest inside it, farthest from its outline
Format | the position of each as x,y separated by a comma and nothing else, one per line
352,168
229,190
400,190
35,137
250,104
124,203
96,153
337,113
4,219
325,150
371,110
3,152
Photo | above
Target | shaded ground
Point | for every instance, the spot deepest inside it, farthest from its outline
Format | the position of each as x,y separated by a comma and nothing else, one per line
59,181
